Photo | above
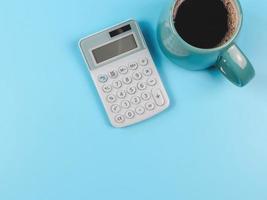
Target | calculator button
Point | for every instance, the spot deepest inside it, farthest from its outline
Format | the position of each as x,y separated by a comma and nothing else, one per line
137,75
121,94
119,119
115,108
150,106
125,104
146,96
140,110
129,114
143,61
117,84
135,100
102,78
131,90
127,80
123,70
141,86
133,66
147,71
106,88
111,98
151,81
113,74
158,97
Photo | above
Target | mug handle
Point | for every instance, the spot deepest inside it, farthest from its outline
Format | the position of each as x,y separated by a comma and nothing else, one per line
235,66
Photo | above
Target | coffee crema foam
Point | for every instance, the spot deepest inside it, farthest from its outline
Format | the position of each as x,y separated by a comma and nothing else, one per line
233,18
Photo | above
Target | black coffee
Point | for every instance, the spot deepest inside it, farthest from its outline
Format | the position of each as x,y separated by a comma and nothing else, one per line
202,23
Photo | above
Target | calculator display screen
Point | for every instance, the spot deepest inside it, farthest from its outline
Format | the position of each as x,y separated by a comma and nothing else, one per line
114,49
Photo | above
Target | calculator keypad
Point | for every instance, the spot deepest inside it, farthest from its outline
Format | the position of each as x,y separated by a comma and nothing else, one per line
123,70
140,110
132,90
102,78
107,88
119,119
117,84
115,108
147,71
143,61
113,74
133,66
127,80
111,98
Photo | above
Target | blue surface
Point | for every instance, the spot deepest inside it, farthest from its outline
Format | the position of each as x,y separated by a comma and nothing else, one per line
55,139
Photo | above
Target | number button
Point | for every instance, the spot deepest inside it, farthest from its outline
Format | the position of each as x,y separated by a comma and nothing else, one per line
113,74
135,100
150,106
141,86
158,97
107,88
127,80
125,104
151,81
111,98
133,66
129,114
147,71
140,110
137,75
119,119
102,78
146,96
121,94
115,108
143,61
117,84
131,90
123,70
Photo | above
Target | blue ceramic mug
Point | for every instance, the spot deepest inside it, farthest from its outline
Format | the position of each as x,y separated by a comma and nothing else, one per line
227,57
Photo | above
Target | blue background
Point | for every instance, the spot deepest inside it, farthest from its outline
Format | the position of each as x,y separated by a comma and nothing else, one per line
56,141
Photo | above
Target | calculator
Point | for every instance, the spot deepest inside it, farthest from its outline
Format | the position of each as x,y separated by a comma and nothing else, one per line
124,74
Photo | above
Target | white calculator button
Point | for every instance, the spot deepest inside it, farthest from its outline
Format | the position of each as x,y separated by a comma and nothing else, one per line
146,96
131,90
158,97
133,66
106,88
113,74
125,104
121,94
141,86
137,75
102,78
127,80
129,114
123,70
111,98
119,119
117,84
152,81
147,71
140,110
135,100
115,108
150,106
143,61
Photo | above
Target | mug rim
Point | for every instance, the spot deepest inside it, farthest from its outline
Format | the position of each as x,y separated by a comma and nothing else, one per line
209,50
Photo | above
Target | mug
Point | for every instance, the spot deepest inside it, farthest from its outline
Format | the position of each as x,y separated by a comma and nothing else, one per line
227,57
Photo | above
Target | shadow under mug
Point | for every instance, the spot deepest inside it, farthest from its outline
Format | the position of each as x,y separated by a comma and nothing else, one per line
228,58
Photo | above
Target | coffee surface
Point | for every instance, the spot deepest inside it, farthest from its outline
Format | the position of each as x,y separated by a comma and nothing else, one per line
202,23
